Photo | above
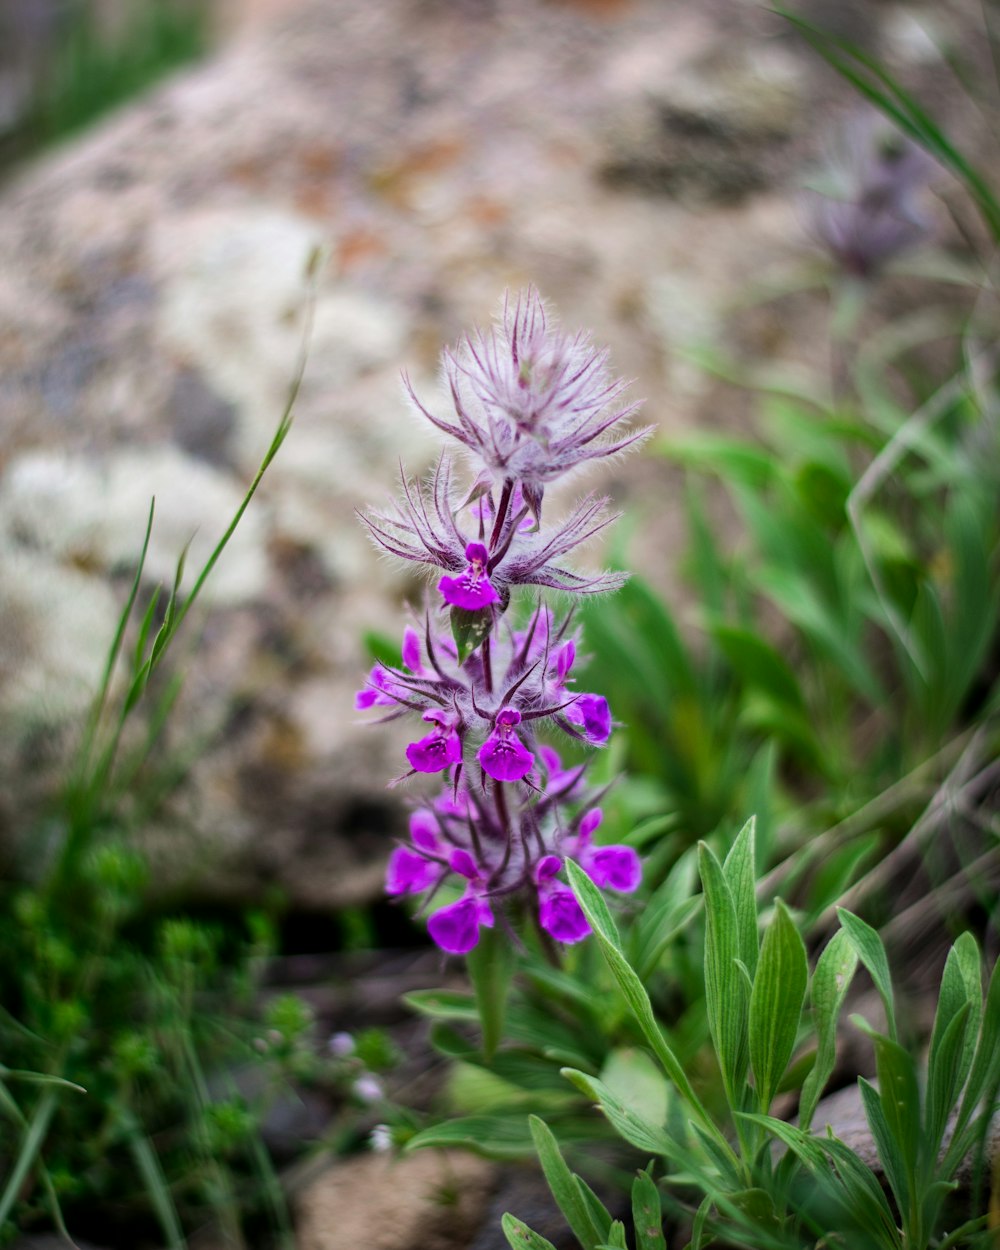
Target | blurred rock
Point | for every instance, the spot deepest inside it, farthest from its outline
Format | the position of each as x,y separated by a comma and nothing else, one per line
715,132
430,1199
152,303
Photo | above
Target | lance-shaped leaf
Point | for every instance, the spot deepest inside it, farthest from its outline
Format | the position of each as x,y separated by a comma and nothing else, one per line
740,872
779,990
725,985
830,983
871,952
561,1181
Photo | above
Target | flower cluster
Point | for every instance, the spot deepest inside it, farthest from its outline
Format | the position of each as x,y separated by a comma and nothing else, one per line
530,404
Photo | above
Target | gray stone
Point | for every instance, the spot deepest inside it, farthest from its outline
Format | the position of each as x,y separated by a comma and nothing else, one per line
152,303
432,1199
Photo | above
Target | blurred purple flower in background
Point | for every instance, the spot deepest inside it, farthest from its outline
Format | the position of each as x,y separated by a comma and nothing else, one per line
866,209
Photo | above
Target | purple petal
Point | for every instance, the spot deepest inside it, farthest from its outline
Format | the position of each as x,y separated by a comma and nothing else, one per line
434,753
463,863
424,831
456,928
411,650
375,692
614,867
470,590
564,660
591,713
589,821
409,873
505,758
546,868
559,914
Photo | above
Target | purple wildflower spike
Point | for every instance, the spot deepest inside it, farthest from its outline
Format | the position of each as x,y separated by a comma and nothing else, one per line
503,756
531,403
472,589
440,749
456,928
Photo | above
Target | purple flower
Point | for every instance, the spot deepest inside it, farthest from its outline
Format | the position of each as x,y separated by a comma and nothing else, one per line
614,867
377,692
503,756
870,211
456,928
560,915
610,867
410,873
591,714
439,749
472,588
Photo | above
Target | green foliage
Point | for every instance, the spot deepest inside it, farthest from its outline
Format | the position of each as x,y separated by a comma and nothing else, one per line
127,1036
774,1184
92,70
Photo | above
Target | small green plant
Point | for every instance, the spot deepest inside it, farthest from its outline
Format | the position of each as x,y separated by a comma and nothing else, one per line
90,69
124,1036
758,1180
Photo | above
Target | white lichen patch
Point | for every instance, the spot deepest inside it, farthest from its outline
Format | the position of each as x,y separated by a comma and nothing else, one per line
56,625
233,306
92,513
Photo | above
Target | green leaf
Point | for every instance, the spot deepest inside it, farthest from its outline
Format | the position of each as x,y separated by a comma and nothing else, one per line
943,1083
985,1073
595,908
899,1094
634,1078
872,954
495,1136
892,1160
599,1213
491,965
151,1171
649,1138
758,664
616,1240
729,458
443,1004
779,990
807,1148
564,1189
949,1060
740,872
469,629
31,1144
647,1214
865,1195
725,989
521,1237
830,983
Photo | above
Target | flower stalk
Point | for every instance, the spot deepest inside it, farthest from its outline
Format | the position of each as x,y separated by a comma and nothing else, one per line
530,405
